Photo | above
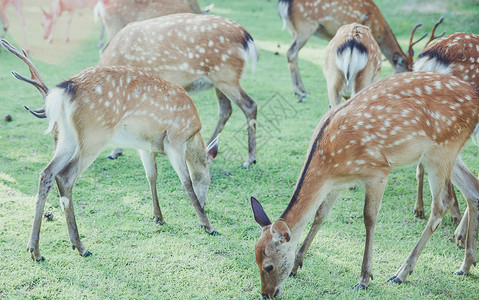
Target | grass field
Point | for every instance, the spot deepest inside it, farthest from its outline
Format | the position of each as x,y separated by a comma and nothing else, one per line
133,257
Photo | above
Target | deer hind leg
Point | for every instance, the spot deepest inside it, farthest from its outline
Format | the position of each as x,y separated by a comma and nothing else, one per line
176,155
335,83
456,216
249,107
321,214
419,206
224,113
115,153
374,191
3,19
47,177
468,184
439,182
298,42
149,163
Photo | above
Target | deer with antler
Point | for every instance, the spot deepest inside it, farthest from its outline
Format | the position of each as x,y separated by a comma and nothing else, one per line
197,52
394,122
303,18
124,106
352,62
456,54
116,14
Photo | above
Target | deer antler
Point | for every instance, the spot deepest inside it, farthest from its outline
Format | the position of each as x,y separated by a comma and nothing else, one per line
411,43
36,79
433,37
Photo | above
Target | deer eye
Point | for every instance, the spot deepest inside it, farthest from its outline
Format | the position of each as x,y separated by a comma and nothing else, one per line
268,269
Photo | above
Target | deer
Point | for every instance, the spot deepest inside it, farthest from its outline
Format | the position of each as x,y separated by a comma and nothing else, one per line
399,120
456,54
116,14
119,105
197,52
18,4
303,18
352,62
49,21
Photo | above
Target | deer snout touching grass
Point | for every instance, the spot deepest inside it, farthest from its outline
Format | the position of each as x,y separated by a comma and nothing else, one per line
395,122
127,107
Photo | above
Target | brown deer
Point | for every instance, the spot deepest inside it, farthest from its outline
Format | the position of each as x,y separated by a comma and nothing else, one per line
3,18
394,122
126,106
456,54
352,62
116,14
303,18
197,52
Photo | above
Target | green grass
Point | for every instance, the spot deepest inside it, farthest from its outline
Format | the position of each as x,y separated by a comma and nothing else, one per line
135,258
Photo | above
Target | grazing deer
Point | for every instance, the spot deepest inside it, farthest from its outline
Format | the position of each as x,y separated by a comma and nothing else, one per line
3,18
196,52
456,54
57,8
352,62
125,106
115,14
323,18
394,122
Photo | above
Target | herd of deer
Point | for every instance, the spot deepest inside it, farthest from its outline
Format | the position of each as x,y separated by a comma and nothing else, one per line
137,97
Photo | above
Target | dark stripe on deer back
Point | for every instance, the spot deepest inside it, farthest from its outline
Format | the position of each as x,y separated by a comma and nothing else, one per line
353,44
69,87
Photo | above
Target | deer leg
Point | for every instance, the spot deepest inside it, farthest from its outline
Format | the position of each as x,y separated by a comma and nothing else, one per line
101,42
176,155
149,163
236,94
419,206
4,20
117,152
292,55
224,113
47,177
374,191
455,211
335,86
321,214
467,230
461,230
439,185
69,23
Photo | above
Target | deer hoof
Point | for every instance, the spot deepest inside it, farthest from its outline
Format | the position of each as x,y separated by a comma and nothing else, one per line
459,273
213,233
159,220
86,254
359,286
419,214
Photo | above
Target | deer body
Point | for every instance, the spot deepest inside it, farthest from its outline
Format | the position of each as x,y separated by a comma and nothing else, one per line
395,122
57,8
196,52
116,14
303,18
3,17
352,62
128,107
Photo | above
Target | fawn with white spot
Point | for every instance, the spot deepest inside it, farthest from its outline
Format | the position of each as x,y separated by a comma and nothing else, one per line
303,18
3,18
352,62
116,14
394,122
456,54
124,106
197,52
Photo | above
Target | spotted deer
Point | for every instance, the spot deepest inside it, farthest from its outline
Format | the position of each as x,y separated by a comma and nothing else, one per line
197,52
456,54
124,106
18,4
394,122
303,18
116,14
49,21
352,62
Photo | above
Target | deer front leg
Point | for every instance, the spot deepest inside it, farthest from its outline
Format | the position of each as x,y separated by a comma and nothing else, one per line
419,206
321,214
292,55
374,191
149,163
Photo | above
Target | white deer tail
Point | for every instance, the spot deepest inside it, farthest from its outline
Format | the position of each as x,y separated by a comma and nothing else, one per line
283,10
57,105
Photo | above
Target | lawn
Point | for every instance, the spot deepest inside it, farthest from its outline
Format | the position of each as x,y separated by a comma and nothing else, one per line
133,257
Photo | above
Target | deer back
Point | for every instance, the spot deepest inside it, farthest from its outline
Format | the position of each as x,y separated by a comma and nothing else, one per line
456,54
183,48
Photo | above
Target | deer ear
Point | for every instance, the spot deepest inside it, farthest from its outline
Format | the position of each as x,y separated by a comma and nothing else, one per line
259,214
280,231
212,149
